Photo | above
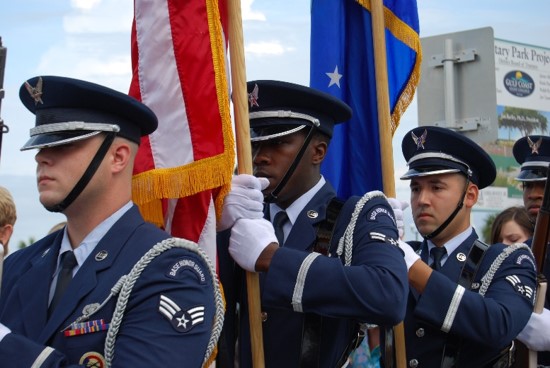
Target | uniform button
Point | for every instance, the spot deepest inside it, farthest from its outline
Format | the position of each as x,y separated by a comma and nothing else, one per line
413,363
420,332
264,316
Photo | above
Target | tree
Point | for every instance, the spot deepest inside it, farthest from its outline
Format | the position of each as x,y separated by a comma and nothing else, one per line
23,244
525,120
486,231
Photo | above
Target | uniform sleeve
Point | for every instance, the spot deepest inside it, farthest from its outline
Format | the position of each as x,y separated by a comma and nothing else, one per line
170,315
493,319
168,320
20,352
373,289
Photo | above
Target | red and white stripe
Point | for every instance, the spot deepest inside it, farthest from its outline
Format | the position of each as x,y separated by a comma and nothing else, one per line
180,72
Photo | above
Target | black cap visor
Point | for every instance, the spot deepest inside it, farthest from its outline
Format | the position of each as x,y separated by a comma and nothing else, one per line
437,166
264,132
417,172
57,139
533,173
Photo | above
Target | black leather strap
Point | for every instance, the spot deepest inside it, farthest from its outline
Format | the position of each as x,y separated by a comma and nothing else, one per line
272,197
326,228
87,176
472,263
313,324
451,349
310,350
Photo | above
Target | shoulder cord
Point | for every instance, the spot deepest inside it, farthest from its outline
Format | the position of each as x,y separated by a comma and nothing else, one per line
345,244
133,276
453,345
488,277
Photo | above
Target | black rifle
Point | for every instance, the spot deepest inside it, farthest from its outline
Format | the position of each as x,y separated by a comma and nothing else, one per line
524,357
3,127
542,232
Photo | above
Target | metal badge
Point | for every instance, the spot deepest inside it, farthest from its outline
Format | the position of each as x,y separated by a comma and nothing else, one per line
101,255
419,141
253,97
534,145
90,309
45,252
312,214
461,257
92,359
35,92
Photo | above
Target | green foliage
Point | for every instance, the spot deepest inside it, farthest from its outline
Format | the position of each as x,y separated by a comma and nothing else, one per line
525,120
23,244
486,231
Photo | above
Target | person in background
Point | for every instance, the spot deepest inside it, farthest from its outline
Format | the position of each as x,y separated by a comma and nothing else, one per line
467,301
58,226
109,289
511,226
8,216
533,154
315,289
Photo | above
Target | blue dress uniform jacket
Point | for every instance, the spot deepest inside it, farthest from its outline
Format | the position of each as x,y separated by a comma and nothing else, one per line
373,289
485,324
147,338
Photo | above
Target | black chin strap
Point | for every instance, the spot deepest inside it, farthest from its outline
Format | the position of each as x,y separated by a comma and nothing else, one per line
272,197
442,227
86,177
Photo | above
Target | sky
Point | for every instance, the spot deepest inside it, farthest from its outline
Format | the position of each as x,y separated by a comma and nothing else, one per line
90,39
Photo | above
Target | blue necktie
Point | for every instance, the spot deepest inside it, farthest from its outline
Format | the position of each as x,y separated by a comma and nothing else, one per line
278,222
437,254
68,262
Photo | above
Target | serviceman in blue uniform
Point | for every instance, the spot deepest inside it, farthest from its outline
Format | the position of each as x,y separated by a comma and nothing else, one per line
533,154
108,289
467,301
332,264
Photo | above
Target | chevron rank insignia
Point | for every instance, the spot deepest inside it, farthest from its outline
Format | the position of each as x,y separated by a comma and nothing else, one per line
181,320
520,287
383,238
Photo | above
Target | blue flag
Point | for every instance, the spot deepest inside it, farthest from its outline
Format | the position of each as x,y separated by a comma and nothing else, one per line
342,64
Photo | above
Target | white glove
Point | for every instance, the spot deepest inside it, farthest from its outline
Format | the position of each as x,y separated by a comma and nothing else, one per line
249,237
535,334
3,331
245,200
410,254
398,207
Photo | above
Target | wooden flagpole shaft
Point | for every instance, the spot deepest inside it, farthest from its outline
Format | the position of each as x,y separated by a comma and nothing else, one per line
384,127
244,161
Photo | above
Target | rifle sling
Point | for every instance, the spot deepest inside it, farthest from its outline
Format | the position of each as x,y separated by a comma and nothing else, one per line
313,323
451,349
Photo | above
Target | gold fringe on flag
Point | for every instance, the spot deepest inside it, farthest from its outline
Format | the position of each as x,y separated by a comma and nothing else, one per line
404,33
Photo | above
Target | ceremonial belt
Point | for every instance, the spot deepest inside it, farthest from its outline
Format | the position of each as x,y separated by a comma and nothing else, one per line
312,326
451,349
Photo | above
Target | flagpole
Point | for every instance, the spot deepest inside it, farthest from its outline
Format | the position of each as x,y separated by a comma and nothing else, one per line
244,161
384,127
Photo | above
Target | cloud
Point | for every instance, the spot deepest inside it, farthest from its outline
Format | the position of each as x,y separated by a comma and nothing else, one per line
84,4
264,48
248,13
95,44
90,17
